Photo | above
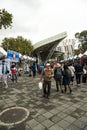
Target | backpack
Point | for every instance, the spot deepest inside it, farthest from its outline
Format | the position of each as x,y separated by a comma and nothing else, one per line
58,72
68,73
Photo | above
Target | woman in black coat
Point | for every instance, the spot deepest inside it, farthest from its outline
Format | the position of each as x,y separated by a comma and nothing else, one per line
66,78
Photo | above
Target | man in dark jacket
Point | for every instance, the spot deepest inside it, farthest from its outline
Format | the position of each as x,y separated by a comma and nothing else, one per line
78,72
58,77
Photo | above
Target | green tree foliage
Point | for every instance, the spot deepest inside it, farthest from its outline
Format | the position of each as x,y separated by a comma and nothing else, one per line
77,35
5,19
18,44
82,37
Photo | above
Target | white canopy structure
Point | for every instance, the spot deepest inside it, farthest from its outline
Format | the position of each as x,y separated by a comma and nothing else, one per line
80,55
2,51
45,49
24,57
85,53
75,56
28,58
20,55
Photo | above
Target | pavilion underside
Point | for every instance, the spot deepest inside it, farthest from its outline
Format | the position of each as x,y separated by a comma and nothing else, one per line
45,49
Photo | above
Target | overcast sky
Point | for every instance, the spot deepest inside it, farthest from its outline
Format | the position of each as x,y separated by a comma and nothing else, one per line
40,19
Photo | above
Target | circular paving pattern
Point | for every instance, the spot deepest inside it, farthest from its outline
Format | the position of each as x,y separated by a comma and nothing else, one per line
14,115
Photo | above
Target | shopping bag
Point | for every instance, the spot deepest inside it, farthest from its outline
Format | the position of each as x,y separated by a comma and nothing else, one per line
40,85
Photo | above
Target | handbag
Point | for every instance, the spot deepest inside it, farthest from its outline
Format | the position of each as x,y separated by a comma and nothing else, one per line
40,85
84,71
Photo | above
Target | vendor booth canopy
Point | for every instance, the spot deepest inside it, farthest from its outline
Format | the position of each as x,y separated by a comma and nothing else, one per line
80,55
85,53
13,55
2,52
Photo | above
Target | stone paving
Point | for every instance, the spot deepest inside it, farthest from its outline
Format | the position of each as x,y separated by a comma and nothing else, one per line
60,112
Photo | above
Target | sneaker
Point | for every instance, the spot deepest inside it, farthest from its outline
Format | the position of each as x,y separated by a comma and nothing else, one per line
57,90
61,91
6,86
70,91
44,95
65,90
78,85
47,97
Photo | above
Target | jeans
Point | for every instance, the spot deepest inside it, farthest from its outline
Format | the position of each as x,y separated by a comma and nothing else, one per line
78,78
46,87
14,77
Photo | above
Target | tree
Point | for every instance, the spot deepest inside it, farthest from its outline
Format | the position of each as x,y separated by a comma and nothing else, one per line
82,37
18,44
5,19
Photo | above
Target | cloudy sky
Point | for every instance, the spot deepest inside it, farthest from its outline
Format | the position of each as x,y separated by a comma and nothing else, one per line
40,19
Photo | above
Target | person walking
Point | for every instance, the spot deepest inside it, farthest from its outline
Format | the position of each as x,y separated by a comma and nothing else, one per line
4,73
78,72
47,75
14,72
34,69
58,77
66,78
72,69
84,76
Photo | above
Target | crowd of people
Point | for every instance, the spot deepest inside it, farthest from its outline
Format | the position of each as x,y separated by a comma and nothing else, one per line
11,73
64,74
8,74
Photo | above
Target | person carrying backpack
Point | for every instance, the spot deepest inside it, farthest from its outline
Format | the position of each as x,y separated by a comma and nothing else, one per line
66,78
78,72
58,77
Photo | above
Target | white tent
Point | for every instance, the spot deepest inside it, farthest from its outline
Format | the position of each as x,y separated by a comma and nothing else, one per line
80,55
75,56
85,53
2,51
20,55
24,57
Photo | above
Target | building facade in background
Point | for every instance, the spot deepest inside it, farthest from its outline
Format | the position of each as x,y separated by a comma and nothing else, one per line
67,47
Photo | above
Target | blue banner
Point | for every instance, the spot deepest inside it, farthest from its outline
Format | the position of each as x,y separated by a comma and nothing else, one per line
13,55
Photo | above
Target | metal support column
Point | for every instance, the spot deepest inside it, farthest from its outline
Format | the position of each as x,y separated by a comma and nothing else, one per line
51,52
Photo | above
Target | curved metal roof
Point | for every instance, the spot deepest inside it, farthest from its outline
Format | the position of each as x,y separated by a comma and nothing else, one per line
49,41
45,48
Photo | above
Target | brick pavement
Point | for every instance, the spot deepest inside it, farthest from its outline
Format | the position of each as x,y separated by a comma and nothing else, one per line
60,112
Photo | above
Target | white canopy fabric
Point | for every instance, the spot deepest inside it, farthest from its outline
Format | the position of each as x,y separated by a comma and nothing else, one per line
3,51
20,55
28,58
75,56
24,57
85,53
80,55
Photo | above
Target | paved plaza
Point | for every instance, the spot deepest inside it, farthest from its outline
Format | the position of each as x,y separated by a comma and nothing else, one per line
59,112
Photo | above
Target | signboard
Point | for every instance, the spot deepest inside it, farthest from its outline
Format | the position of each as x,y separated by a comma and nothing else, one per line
7,62
13,55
